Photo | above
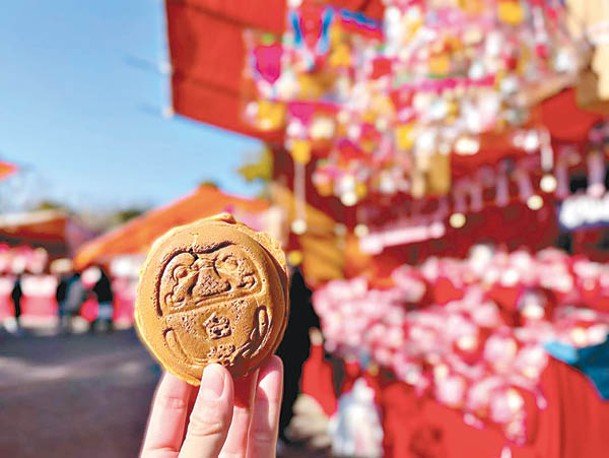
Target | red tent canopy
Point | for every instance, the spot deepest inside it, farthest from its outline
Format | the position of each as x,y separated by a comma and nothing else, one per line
137,235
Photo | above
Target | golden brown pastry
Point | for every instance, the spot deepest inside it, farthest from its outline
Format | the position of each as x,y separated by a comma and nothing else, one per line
213,291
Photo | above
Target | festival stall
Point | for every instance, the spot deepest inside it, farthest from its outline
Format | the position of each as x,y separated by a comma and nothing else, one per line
123,250
423,129
29,242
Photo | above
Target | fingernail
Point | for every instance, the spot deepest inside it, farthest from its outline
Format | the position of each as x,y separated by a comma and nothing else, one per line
212,382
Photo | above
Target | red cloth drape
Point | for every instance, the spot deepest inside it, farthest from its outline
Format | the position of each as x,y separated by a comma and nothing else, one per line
573,425
317,380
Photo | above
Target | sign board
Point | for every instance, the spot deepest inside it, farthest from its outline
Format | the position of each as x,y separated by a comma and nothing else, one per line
583,211
376,241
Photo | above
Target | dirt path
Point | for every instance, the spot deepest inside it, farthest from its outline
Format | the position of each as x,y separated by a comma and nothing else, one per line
77,396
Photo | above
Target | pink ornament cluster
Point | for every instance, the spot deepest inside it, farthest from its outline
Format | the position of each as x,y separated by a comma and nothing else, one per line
471,333
20,259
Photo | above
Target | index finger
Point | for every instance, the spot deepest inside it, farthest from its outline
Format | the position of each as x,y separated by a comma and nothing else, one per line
167,421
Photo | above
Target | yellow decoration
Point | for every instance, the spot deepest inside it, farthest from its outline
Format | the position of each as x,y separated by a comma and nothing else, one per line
361,190
405,138
312,87
368,146
324,188
336,35
341,57
472,6
510,12
301,151
271,115
439,64
295,258
438,174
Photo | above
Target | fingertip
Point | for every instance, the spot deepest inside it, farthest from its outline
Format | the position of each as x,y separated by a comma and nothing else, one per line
214,382
271,377
211,415
275,363
170,384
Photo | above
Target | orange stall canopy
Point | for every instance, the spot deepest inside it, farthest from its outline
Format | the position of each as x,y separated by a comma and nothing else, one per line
207,55
136,236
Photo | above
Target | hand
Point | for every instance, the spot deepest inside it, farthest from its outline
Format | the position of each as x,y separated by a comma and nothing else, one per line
222,418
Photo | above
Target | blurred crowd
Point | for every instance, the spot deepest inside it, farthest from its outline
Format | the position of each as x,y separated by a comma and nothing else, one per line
35,288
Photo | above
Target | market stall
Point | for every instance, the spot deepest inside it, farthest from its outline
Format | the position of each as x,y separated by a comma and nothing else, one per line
422,129
29,242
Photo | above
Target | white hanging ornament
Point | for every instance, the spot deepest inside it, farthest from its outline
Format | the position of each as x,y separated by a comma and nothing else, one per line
299,226
548,183
535,202
457,220
361,230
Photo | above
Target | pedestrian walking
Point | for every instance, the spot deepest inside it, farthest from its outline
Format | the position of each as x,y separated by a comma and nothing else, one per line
105,299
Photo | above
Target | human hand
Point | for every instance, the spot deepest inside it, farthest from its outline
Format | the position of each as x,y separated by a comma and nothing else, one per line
222,418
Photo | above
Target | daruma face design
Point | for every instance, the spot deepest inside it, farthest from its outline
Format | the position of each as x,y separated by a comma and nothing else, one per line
212,292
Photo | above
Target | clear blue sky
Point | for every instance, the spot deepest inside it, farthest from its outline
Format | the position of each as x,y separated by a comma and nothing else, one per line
84,116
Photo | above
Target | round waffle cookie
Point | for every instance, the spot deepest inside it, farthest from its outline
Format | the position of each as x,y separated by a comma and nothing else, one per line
213,291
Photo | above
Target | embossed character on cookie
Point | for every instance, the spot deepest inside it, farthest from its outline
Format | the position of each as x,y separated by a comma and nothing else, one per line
208,300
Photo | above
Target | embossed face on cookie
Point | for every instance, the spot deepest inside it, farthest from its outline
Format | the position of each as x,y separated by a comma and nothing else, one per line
211,302
190,279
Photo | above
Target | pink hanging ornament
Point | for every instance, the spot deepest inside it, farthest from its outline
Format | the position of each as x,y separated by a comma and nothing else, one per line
525,188
476,196
596,174
502,196
562,179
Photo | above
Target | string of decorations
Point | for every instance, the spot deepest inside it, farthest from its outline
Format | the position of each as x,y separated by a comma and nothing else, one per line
382,106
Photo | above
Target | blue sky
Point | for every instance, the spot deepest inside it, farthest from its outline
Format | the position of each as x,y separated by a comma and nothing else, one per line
80,108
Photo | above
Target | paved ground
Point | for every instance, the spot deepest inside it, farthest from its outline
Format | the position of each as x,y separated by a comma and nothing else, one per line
77,396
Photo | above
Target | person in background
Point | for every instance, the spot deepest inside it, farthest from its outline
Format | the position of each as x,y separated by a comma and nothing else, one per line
16,295
105,299
75,296
295,346
60,297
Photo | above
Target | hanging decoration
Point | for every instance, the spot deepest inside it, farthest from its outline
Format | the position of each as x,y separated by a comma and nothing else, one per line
381,106
472,334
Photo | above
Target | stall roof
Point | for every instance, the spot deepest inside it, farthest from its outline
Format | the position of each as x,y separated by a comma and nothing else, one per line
136,236
53,230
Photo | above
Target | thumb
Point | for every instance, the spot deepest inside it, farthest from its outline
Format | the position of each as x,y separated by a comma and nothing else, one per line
211,415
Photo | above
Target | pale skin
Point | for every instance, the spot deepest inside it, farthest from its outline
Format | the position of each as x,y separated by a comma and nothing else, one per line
221,418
